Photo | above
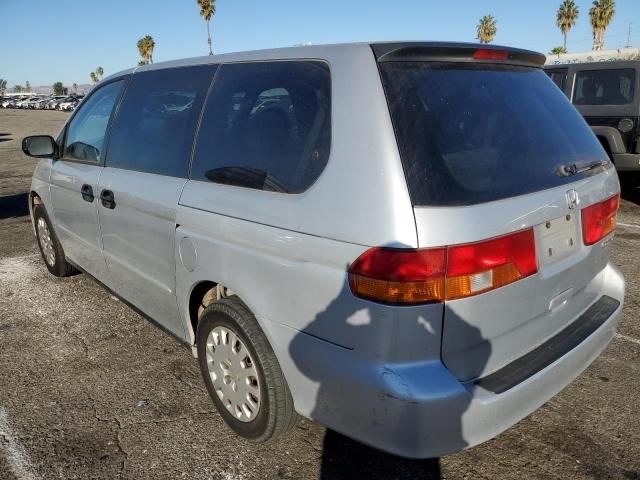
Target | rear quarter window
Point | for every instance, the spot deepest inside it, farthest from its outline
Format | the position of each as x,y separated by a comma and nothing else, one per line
266,126
475,133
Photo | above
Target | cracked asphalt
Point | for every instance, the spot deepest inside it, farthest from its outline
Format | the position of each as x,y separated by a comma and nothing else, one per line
89,389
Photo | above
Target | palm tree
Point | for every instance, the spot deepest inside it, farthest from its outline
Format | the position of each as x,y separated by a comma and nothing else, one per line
558,50
486,29
75,87
207,10
99,73
93,77
601,14
145,47
566,18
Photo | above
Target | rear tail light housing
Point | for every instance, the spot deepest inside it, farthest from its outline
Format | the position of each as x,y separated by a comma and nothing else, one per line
599,220
415,276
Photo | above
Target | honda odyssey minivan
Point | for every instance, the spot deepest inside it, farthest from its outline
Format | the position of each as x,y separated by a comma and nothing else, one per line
406,242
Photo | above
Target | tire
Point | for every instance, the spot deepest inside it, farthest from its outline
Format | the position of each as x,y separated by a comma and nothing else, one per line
50,248
275,414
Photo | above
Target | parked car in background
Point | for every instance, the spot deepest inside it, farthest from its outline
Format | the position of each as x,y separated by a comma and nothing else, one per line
607,94
458,281
68,103
39,104
53,101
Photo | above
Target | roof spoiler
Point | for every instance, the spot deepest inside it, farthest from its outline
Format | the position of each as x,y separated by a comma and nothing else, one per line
455,52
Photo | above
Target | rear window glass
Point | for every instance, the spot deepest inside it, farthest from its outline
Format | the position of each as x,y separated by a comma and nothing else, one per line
471,134
266,126
604,87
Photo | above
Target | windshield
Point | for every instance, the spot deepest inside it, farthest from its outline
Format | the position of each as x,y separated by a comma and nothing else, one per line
471,133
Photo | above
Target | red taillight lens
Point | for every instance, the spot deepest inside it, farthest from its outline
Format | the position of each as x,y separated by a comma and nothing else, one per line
447,273
479,267
599,220
487,54
399,276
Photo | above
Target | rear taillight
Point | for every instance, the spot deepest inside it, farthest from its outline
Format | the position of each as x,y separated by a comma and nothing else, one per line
487,54
599,220
479,267
399,276
433,275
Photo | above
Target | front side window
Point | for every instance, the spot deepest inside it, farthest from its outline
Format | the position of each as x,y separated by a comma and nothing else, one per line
604,87
156,122
266,126
86,132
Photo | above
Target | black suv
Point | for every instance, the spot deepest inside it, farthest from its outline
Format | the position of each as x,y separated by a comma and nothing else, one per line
606,94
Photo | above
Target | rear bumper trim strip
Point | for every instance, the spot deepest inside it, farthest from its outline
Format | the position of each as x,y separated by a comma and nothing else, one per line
524,367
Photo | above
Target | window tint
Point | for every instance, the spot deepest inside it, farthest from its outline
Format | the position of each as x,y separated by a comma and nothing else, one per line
153,131
266,126
476,133
86,132
604,87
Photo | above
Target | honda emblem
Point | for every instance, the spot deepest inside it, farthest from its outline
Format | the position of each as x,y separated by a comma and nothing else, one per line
572,199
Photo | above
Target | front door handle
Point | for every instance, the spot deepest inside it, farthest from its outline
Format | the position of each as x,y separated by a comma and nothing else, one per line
87,193
107,199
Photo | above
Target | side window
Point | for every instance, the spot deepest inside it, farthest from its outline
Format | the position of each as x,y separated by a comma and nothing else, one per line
86,132
266,126
153,131
559,77
604,87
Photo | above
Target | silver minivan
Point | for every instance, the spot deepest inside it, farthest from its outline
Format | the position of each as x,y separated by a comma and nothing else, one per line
406,242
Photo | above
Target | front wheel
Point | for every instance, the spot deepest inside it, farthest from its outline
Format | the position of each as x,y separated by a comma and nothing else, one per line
241,372
50,248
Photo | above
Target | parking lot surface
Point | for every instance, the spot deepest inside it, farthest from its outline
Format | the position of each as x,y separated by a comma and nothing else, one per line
89,389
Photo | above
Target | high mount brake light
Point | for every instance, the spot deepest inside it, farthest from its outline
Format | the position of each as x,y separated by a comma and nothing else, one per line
488,54
599,220
413,276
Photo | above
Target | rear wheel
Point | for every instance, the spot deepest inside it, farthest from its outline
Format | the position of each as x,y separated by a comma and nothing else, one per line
50,248
241,372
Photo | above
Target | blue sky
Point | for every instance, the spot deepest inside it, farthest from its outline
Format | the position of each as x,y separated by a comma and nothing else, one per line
43,44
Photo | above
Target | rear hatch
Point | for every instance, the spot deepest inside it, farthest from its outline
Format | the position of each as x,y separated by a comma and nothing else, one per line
492,148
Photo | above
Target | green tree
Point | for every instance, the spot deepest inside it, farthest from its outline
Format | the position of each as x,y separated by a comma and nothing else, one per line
3,86
99,73
567,15
93,77
486,29
601,14
145,47
558,50
207,10
58,88
75,87
18,88
27,86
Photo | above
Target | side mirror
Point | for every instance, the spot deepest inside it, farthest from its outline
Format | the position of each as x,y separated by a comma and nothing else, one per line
40,146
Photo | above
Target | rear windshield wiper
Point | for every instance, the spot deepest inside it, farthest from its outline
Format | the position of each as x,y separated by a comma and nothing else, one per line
573,169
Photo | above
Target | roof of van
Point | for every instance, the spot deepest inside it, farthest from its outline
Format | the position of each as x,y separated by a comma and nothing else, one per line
387,50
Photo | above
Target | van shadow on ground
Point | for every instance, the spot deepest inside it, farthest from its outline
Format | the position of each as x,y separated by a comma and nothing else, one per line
13,206
343,458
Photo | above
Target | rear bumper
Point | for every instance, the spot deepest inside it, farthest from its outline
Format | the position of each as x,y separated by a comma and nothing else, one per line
627,162
421,410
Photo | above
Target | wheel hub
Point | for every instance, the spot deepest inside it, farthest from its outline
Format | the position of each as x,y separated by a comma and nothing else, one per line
46,243
233,373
